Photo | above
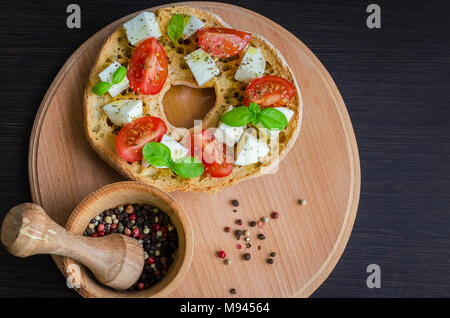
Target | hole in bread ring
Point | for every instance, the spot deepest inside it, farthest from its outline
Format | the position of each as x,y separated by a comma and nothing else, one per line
183,104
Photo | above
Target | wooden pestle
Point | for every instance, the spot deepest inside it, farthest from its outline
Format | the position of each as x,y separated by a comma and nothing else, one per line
116,260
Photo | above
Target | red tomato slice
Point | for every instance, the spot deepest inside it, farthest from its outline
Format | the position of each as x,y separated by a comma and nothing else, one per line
197,142
212,153
147,69
135,135
222,42
269,91
219,170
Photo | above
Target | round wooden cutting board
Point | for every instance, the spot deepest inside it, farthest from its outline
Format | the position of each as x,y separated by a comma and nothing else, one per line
323,168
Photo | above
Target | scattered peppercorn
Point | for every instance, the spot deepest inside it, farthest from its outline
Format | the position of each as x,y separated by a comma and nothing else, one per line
249,245
227,262
273,254
259,247
235,202
247,239
261,236
247,256
302,202
234,210
270,261
261,224
246,232
239,246
239,222
227,229
233,291
222,254
265,219
275,215
252,223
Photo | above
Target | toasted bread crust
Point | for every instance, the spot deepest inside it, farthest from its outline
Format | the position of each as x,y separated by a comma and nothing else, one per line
101,134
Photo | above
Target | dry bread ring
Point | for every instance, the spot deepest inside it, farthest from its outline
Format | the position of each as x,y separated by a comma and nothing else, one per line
101,133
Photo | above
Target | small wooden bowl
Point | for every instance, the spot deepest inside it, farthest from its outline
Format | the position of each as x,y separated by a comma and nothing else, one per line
121,193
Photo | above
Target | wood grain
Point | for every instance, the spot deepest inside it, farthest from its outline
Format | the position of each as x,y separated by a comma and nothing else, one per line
323,168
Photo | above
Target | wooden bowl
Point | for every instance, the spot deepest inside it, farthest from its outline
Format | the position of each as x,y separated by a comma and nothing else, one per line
121,193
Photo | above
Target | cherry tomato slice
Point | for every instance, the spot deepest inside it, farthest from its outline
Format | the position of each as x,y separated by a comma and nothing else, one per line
147,69
135,135
269,91
222,42
205,147
219,170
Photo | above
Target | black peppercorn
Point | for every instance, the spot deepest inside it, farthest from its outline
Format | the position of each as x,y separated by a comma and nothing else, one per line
261,236
247,256
235,202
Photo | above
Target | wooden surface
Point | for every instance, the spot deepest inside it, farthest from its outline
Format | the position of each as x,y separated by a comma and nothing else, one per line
322,167
395,82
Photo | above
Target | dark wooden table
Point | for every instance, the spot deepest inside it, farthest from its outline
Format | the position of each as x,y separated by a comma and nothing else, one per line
394,80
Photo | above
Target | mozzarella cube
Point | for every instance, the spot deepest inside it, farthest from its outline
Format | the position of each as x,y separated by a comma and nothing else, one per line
141,27
177,151
227,134
202,66
122,112
193,25
106,76
275,132
252,66
250,150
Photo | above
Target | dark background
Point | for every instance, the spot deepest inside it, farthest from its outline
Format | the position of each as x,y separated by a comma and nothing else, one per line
396,85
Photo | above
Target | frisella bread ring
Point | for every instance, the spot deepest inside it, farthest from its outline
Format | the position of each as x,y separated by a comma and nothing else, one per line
255,89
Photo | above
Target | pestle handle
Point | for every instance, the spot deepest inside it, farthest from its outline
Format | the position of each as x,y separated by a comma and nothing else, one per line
116,260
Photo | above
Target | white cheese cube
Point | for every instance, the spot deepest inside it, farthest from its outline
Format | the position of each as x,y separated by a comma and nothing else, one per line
177,151
252,66
106,76
202,66
141,27
227,134
193,25
122,112
274,132
250,150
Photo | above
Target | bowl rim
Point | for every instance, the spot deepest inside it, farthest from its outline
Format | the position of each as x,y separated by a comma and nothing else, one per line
186,231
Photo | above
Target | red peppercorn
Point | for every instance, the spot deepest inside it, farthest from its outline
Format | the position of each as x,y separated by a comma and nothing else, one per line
275,215
227,229
150,260
113,226
156,227
222,254
239,246
164,266
135,232
101,227
132,216
95,234
101,234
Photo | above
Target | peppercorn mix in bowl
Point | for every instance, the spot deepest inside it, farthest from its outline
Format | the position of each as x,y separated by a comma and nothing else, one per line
146,214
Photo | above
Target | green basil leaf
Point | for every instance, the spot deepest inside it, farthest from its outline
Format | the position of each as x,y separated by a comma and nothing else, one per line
188,167
119,75
271,118
175,27
101,88
157,154
254,108
240,116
